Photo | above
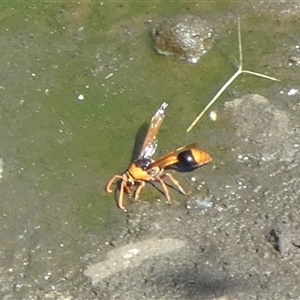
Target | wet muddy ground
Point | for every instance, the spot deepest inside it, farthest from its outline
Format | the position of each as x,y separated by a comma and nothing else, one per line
246,246
62,237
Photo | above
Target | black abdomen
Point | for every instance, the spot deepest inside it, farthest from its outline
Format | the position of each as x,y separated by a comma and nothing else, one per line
187,159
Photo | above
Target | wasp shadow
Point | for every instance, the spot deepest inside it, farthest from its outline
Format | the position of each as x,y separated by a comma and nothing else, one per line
139,140
182,167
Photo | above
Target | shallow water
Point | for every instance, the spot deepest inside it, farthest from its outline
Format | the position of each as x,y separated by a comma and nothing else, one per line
77,82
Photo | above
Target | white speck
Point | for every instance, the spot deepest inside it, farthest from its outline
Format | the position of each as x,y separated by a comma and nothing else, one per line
193,60
1,167
130,253
33,74
242,158
293,92
109,75
213,115
203,204
47,275
193,179
80,97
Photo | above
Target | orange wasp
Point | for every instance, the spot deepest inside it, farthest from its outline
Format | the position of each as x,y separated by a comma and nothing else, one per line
145,169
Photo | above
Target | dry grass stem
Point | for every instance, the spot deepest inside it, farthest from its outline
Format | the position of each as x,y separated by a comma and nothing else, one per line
230,80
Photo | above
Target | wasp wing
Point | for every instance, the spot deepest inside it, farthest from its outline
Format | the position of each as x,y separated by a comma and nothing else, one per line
150,142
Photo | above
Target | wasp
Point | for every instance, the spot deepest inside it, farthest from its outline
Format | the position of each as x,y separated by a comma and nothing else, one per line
145,169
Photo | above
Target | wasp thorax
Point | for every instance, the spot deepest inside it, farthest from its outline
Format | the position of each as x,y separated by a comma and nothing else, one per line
143,163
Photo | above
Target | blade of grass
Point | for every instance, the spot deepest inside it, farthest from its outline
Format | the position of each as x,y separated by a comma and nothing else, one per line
230,80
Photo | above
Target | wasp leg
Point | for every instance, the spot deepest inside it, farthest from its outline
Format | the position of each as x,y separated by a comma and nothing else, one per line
176,183
127,188
138,190
121,196
167,194
108,186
